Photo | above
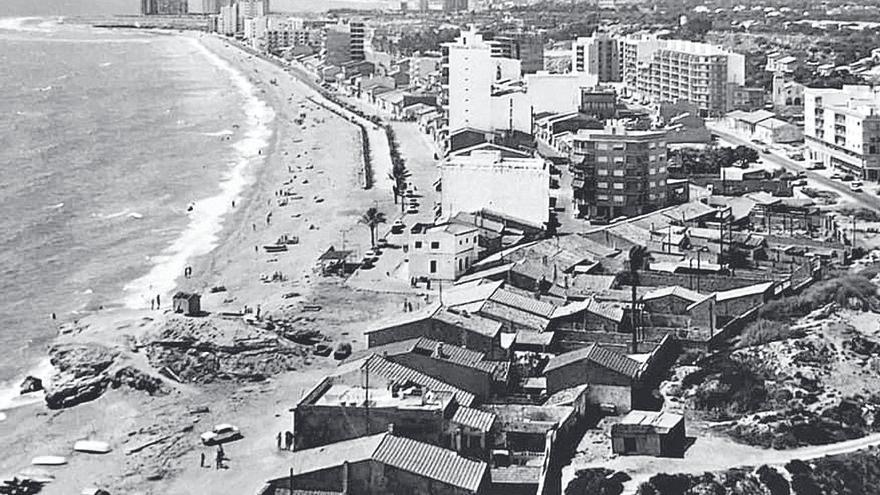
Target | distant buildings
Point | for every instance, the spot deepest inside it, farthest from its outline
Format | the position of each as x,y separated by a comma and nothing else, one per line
598,55
519,187
842,129
676,70
214,6
528,48
619,172
164,7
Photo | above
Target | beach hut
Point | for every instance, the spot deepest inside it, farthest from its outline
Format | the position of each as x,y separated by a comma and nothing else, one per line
187,303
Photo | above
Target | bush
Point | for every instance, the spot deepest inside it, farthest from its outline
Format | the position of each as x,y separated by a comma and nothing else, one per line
598,481
728,388
764,331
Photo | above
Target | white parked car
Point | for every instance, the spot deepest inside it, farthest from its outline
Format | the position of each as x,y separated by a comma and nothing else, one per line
855,186
220,434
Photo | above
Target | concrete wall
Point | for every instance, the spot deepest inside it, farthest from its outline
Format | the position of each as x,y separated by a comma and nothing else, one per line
585,322
581,372
620,396
314,426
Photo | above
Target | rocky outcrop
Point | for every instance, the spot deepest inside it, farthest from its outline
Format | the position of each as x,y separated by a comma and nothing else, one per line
207,349
85,371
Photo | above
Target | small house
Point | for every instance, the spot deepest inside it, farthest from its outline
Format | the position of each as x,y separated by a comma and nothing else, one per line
649,433
187,303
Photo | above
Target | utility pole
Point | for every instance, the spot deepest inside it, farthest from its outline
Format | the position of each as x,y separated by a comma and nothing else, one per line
367,395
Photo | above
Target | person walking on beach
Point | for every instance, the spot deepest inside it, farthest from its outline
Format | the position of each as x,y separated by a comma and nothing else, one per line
218,461
278,440
158,301
202,460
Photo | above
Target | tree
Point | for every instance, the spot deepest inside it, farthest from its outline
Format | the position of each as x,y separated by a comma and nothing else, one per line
372,218
398,175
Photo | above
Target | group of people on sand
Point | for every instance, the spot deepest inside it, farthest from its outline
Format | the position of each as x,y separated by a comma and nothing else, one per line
219,459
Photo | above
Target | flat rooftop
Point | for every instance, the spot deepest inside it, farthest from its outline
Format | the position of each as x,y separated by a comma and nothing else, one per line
356,396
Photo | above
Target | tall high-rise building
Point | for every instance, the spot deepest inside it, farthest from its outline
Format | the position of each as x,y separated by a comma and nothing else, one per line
214,6
528,48
480,91
344,42
597,55
164,7
619,172
842,129
678,70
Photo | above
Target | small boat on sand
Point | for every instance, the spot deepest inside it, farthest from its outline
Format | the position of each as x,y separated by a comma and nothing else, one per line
92,447
49,460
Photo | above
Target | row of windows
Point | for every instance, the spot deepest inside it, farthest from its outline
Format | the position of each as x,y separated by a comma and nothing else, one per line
621,199
620,185
620,172
436,244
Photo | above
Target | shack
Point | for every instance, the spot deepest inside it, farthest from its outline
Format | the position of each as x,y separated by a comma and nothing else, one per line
190,304
649,433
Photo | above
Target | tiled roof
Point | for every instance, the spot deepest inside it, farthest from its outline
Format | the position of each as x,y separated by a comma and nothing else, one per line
603,357
429,461
421,459
469,321
661,421
401,374
528,304
454,354
473,418
470,293
518,316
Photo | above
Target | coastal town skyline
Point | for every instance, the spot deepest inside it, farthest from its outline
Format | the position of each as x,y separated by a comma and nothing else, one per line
464,247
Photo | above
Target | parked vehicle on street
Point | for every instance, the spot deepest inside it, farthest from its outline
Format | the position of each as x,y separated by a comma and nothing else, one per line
855,186
220,434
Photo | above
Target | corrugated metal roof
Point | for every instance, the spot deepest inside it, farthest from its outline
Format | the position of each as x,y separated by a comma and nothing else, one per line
511,314
454,354
444,466
606,311
473,418
750,290
603,357
516,475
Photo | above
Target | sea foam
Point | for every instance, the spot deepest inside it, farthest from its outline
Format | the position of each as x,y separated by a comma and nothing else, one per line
201,235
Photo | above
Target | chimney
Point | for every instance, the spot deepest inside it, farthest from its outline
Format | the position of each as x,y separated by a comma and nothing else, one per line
391,428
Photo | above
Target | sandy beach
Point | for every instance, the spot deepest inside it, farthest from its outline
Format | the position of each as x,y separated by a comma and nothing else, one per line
308,186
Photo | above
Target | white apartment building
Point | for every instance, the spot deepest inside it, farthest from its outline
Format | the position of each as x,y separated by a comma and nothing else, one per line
514,187
479,90
228,22
842,129
442,252
676,70
557,93
598,55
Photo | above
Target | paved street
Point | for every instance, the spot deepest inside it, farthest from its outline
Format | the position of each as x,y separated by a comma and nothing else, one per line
863,199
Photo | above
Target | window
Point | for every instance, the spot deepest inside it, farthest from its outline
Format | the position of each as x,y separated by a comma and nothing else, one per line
652,184
460,264
435,245
652,158
418,244
602,197
602,159
601,146
652,171
661,170
602,185
433,266
602,171
618,173
618,199
618,185
618,159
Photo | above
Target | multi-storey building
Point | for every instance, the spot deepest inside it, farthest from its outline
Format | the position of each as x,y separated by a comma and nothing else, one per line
486,180
528,48
344,42
676,70
598,55
480,91
164,7
214,6
442,252
842,129
619,172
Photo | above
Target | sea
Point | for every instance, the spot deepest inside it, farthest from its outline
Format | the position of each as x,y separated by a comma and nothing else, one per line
120,155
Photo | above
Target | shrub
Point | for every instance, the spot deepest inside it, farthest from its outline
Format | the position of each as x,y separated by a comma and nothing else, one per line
764,331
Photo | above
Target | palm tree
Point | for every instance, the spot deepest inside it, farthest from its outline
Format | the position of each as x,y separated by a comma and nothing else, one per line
372,218
637,257
398,176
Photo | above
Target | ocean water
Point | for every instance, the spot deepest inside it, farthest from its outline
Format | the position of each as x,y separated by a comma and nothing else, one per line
107,139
